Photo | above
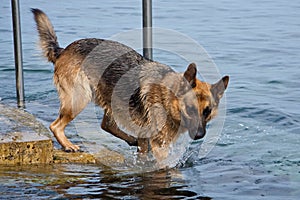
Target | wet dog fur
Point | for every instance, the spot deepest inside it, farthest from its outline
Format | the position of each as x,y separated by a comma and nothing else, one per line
141,97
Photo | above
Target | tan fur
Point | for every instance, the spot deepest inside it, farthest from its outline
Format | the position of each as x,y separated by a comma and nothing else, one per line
139,96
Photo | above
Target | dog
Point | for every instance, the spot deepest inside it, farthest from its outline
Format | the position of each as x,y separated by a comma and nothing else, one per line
145,103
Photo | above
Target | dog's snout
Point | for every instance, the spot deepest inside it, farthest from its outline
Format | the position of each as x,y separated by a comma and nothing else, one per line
200,133
197,134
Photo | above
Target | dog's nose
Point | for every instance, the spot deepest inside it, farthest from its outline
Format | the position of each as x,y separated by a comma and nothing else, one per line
196,135
200,133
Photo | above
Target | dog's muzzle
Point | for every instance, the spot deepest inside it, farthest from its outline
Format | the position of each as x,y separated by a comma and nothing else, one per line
196,135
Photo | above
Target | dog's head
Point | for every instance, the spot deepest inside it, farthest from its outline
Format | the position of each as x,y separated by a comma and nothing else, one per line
200,104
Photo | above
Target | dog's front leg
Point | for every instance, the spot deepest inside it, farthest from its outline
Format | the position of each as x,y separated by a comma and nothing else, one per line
109,125
143,145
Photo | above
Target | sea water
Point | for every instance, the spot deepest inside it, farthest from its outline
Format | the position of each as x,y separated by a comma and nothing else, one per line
256,155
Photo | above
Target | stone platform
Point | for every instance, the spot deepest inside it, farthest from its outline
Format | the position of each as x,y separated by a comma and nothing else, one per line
25,148
25,140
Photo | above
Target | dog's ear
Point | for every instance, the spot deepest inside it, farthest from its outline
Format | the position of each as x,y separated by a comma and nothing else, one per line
190,74
218,88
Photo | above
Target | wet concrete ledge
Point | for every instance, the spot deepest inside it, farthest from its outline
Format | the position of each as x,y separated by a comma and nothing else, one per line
24,140
25,148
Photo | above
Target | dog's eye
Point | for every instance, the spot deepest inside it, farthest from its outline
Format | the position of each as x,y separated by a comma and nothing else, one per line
206,112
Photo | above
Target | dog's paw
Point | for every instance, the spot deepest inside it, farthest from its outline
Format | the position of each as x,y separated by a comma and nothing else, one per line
72,148
160,153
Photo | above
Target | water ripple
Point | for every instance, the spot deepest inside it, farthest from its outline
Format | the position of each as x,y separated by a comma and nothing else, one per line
270,116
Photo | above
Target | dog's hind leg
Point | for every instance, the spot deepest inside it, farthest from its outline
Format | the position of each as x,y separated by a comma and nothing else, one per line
73,100
109,125
58,127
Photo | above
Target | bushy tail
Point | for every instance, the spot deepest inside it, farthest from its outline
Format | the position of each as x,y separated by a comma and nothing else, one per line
48,39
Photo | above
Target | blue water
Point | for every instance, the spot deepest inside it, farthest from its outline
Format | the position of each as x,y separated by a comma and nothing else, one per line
257,43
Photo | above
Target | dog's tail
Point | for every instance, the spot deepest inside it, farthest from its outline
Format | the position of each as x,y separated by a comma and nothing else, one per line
48,39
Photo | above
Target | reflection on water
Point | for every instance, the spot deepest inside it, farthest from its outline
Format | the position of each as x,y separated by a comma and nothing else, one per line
79,182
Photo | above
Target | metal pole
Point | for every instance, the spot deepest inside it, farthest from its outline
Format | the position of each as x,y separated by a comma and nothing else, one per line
147,29
18,52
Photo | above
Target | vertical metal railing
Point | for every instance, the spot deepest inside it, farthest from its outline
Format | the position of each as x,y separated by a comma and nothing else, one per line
147,29
18,52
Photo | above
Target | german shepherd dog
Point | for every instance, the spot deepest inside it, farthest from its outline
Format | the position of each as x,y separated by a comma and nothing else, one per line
145,103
